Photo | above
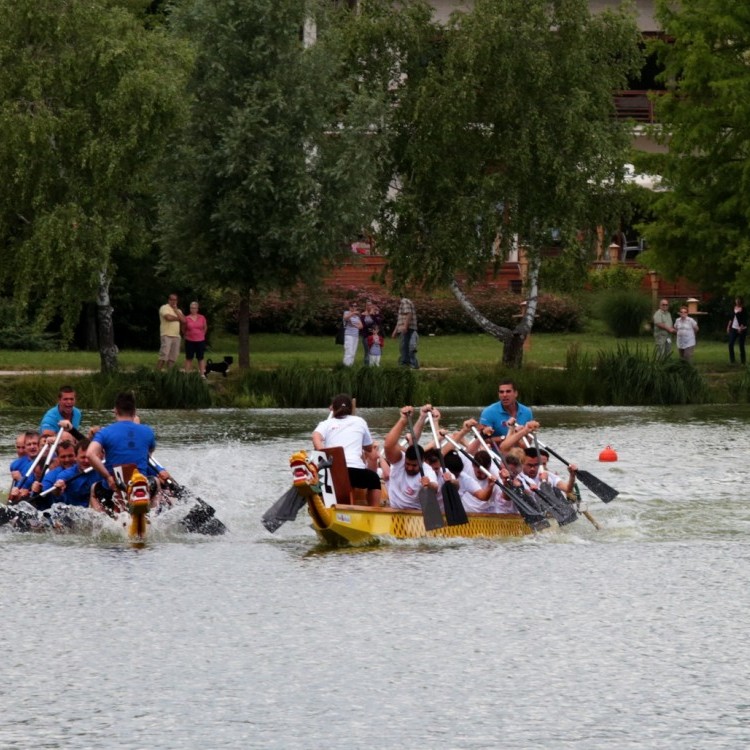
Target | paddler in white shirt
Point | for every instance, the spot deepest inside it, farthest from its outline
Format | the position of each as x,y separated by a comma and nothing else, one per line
406,480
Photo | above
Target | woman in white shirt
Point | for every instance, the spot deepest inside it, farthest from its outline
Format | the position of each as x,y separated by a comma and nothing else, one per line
352,434
686,328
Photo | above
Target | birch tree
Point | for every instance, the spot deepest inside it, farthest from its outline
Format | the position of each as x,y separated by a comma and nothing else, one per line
503,130
87,98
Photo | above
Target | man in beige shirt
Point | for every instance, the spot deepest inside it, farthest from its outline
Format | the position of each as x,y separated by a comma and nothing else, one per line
170,319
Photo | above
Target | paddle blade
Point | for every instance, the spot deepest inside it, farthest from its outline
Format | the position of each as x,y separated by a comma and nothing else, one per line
200,519
527,506
284,509
455,513
601,489
433,518
559,508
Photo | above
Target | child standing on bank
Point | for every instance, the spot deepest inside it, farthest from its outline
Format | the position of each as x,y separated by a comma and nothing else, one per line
375,343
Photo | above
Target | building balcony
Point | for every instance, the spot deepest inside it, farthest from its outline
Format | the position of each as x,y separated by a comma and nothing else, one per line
635,105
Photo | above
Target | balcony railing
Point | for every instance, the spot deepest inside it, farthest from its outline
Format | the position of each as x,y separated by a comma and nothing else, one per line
634,105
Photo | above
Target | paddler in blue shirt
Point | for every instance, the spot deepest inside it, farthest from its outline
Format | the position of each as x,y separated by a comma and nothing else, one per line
505,413
64,414
73,483
126,441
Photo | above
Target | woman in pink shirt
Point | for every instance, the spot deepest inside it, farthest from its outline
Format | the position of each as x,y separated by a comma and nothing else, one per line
195,339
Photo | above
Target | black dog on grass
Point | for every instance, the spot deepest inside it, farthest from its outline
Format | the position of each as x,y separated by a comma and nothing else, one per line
222,367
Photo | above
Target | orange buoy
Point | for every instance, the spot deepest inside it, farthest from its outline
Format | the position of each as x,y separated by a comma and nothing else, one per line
608,454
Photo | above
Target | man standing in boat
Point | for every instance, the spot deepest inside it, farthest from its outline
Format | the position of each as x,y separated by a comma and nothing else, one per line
405,479
125,441
506,413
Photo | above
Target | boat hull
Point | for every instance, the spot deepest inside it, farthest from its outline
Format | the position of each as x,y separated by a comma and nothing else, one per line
357,524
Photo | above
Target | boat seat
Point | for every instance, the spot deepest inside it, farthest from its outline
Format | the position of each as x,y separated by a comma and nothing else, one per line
340,479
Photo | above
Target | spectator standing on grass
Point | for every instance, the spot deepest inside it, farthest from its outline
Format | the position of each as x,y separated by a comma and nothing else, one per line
406,328
375,343
685,328
196,326
170,319
371,317
737,329
662,321
352,327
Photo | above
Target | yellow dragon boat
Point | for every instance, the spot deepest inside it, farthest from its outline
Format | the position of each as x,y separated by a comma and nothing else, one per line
339,517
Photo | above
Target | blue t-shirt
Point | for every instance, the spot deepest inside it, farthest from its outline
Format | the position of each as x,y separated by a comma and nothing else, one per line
52,417
496,417
51,477
77,486
126,443
24,464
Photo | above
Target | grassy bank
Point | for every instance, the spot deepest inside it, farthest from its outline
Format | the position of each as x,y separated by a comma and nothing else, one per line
275,350
291,371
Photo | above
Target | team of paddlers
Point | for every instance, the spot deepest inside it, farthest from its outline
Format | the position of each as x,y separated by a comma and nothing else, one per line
59,466
490,465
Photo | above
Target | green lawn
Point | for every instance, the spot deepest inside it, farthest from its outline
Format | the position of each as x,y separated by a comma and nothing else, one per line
270,350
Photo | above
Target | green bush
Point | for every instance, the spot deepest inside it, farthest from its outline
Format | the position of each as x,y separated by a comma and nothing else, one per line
618,276
624,311
20,334
641,376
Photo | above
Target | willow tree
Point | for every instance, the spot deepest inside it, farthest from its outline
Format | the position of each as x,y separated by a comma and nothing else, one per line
504,130
701,229
87,96
270,178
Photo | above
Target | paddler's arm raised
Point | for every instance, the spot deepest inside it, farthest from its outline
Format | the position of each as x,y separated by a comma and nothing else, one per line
516,436
391,446
419,424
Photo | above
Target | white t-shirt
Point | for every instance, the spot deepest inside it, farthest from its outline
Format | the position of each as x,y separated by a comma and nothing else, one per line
403,489
685,328
467,486
350,433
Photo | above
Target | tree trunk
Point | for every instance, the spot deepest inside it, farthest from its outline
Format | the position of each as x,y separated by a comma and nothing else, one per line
107,349
511,339
244,331
513,349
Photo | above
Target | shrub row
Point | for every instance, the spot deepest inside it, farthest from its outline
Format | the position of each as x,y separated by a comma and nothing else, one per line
627,376
305,312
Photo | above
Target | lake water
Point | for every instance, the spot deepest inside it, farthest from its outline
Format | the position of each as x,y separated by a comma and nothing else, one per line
634,636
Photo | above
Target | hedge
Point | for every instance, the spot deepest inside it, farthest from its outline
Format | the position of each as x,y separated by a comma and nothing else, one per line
317,313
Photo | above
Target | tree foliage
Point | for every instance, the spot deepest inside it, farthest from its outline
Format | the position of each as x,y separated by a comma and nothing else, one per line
504,129
702,221
86,97
270,178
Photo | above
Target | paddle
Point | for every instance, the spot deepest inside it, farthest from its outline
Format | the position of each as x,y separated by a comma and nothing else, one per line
455,513
531,515
585,513
563,511
39,456
200,518
51,489
175,488
433,518
284,509
601,489
77,434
